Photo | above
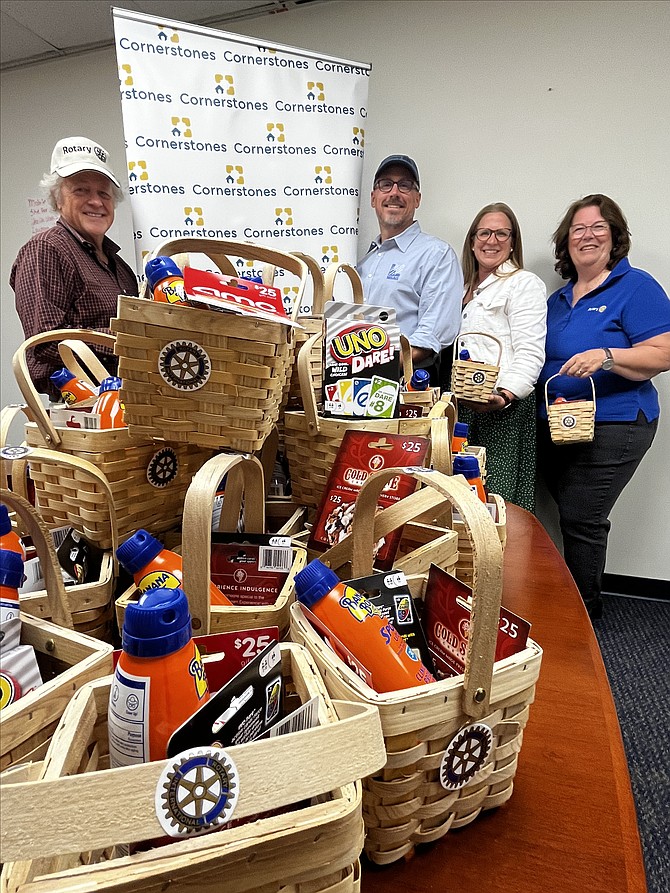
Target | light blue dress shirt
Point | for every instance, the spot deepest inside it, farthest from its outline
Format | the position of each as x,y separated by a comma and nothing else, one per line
420,277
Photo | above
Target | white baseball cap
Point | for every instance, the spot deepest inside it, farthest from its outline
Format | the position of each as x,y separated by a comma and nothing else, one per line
77,153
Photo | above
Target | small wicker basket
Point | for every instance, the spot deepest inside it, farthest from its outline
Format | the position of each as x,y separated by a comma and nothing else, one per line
67,659
411,801
310,846
201,377
472,380
573,421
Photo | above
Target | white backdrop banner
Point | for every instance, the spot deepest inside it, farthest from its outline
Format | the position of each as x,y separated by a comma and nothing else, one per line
230,139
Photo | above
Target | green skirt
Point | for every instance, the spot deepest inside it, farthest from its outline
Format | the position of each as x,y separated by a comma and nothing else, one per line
509,438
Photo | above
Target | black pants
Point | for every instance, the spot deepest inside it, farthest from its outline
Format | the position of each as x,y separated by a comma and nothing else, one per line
586,479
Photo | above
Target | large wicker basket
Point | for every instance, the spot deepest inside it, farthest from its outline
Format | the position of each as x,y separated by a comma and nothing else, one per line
573,421
148,481
244,486
312,441
67,659
472,380
83,809
410,802
202,377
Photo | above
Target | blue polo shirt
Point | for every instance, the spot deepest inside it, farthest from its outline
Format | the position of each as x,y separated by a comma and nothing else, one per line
628,307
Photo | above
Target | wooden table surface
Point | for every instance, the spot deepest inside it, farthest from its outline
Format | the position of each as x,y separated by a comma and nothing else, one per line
570,825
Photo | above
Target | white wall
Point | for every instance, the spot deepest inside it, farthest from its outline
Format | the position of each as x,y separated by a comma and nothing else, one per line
532,103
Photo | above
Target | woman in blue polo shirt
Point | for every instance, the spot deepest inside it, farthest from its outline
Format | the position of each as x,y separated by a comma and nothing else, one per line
612,322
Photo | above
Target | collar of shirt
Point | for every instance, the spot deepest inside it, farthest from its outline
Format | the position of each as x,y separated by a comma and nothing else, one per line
618,270
503,270
110,248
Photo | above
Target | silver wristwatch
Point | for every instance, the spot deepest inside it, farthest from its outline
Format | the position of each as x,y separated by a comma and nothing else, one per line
608,362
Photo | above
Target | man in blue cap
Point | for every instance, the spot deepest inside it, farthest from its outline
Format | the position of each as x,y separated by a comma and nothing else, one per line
416,274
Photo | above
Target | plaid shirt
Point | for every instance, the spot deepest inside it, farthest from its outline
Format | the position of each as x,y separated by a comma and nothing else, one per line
60,284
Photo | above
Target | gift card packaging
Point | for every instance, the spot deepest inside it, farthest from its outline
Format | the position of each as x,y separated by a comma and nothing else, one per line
360,454
250,569
390,595
214,291
361,361
447,624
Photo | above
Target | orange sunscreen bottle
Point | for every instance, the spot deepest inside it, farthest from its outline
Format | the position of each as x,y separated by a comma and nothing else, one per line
11,579
159,681
75,391
459,439
468,466
108,405
165,280
370,637
154,567
9,539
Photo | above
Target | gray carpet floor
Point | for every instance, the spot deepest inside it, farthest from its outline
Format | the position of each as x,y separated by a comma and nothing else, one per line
634,638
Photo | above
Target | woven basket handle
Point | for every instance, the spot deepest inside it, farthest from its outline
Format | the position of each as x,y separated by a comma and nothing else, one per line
20,366
59,458
487,559
17,468
552,377
71,352
246,482
316,273
485,335
305,380
217,249
59,604
330,276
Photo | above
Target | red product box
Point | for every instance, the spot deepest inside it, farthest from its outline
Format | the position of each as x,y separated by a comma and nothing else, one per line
447,624
360,454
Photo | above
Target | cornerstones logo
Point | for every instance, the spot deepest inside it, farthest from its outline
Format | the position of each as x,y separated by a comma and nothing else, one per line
315,91
126,76
137,170
244,269
224,84
181,127
323,174
193,217
275,133
234,174
289,295
330,254
284,216
358,137
167,35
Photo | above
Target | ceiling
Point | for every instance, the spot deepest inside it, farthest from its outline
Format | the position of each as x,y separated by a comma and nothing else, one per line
34,31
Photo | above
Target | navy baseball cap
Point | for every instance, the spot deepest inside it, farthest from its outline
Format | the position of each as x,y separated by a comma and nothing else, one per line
404,160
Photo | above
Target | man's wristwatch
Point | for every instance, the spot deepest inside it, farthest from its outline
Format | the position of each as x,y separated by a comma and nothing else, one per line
608,362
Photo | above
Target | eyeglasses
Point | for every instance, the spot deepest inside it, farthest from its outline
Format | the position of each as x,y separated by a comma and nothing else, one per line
404,186
600,228
502,235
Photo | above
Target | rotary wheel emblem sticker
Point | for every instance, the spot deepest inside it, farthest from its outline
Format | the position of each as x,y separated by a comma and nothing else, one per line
163,467
478,377
184,365
465,756
14,452
568,421
197,792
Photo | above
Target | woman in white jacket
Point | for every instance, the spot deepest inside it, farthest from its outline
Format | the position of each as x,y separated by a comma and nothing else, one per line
503,299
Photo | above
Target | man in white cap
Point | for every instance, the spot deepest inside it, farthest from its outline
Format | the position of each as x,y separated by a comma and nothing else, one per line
417,274
69,276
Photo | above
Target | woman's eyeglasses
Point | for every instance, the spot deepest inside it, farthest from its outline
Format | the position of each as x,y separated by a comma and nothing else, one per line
502,235
578,231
